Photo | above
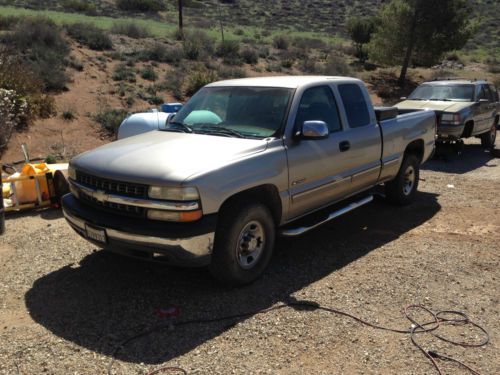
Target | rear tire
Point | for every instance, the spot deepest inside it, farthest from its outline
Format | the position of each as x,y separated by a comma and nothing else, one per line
488,139
244,242
402,189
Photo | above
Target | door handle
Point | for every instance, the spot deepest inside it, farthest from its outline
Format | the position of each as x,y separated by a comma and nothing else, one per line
344,146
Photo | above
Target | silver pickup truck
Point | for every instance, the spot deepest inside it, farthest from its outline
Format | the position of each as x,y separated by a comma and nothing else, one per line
243,161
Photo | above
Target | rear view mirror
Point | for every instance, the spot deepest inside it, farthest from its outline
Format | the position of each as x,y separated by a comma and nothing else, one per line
314,130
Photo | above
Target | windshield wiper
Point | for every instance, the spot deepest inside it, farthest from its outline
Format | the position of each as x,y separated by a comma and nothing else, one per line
181,126
219,129
416,99
441,99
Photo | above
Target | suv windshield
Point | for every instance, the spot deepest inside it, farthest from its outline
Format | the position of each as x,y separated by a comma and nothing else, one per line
248,112
443,92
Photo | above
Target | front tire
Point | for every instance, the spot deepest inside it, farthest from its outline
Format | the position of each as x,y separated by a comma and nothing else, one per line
488,139
402,190
244,242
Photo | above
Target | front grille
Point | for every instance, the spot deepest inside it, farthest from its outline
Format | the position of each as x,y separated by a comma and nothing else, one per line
112,187
122,209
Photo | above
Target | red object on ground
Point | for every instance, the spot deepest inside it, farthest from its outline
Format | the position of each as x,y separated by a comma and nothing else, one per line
169,312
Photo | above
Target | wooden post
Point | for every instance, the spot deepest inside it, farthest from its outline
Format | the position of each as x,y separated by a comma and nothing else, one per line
181,25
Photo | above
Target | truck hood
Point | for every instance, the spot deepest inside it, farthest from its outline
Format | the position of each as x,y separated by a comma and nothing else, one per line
164,158
434,105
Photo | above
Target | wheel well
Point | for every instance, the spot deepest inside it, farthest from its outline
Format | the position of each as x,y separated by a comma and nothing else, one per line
469,127
265,194
497,118
416,148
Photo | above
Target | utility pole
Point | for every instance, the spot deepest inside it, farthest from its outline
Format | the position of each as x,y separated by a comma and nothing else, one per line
181,26
220,20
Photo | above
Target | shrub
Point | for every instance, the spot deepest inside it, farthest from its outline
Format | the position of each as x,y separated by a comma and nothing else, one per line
336,65
141,5
43,49
69,114
131,30
80,6
225,72
198,45
199,79
90,35
8,22
110,119
281,42
250,56
149,73
228,48
174,80
123,73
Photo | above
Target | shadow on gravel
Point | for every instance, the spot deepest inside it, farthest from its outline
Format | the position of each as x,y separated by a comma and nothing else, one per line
44,213
448,161
107,299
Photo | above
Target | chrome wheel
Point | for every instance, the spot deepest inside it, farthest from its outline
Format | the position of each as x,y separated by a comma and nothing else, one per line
409,180
250,245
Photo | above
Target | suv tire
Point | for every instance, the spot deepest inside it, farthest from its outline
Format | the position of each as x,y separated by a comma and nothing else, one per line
488,138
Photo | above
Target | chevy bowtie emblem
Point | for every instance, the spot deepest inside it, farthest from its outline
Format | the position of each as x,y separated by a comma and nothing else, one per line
100,195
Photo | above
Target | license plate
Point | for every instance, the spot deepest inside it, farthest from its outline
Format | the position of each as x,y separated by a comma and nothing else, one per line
95,234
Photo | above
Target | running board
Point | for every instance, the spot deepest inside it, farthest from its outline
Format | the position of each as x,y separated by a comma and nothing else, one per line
293,232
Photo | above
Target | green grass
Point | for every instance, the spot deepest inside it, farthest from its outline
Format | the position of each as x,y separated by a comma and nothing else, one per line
161,29
156,28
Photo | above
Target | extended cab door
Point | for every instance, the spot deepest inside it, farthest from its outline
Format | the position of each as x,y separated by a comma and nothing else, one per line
363,133
321,171
318,169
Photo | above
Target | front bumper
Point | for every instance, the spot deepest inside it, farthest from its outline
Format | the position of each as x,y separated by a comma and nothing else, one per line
183,244
450,132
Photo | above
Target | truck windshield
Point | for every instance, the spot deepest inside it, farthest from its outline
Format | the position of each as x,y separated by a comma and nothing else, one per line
443,92
245,112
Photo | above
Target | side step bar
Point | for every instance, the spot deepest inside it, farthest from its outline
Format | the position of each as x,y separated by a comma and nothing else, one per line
293,232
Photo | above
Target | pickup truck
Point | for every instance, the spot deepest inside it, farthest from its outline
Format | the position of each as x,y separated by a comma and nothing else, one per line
216,184
465,108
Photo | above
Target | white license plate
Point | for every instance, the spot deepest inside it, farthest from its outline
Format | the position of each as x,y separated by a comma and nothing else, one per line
95,234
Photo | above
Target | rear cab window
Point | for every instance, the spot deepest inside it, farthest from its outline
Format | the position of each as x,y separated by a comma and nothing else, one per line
355,105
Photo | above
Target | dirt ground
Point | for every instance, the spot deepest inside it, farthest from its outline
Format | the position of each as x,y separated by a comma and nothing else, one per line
65,306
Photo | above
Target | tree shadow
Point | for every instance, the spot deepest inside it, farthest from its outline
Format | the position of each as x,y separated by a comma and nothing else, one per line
107,298
449,161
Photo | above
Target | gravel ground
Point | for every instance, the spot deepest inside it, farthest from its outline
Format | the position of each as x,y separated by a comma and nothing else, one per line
65,306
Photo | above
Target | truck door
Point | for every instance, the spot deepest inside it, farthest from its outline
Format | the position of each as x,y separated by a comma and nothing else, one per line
319,170
363,133
484,111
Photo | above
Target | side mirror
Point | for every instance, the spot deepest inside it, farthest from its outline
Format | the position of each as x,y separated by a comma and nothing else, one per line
403,98
167,121
314,130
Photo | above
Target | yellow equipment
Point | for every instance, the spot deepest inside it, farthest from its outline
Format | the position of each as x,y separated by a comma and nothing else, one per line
36,185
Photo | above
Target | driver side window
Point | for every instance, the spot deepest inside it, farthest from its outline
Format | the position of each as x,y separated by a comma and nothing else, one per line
318,103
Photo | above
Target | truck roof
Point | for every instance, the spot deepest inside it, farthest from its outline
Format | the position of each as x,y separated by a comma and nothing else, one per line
280,81
456,82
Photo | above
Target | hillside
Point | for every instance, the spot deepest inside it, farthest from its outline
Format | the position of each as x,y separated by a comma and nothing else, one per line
115,62
318,16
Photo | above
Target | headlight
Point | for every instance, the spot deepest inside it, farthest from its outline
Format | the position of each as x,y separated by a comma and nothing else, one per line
71,172
453,118
173,193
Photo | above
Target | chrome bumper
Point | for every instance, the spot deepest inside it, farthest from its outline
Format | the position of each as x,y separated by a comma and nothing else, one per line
187,251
